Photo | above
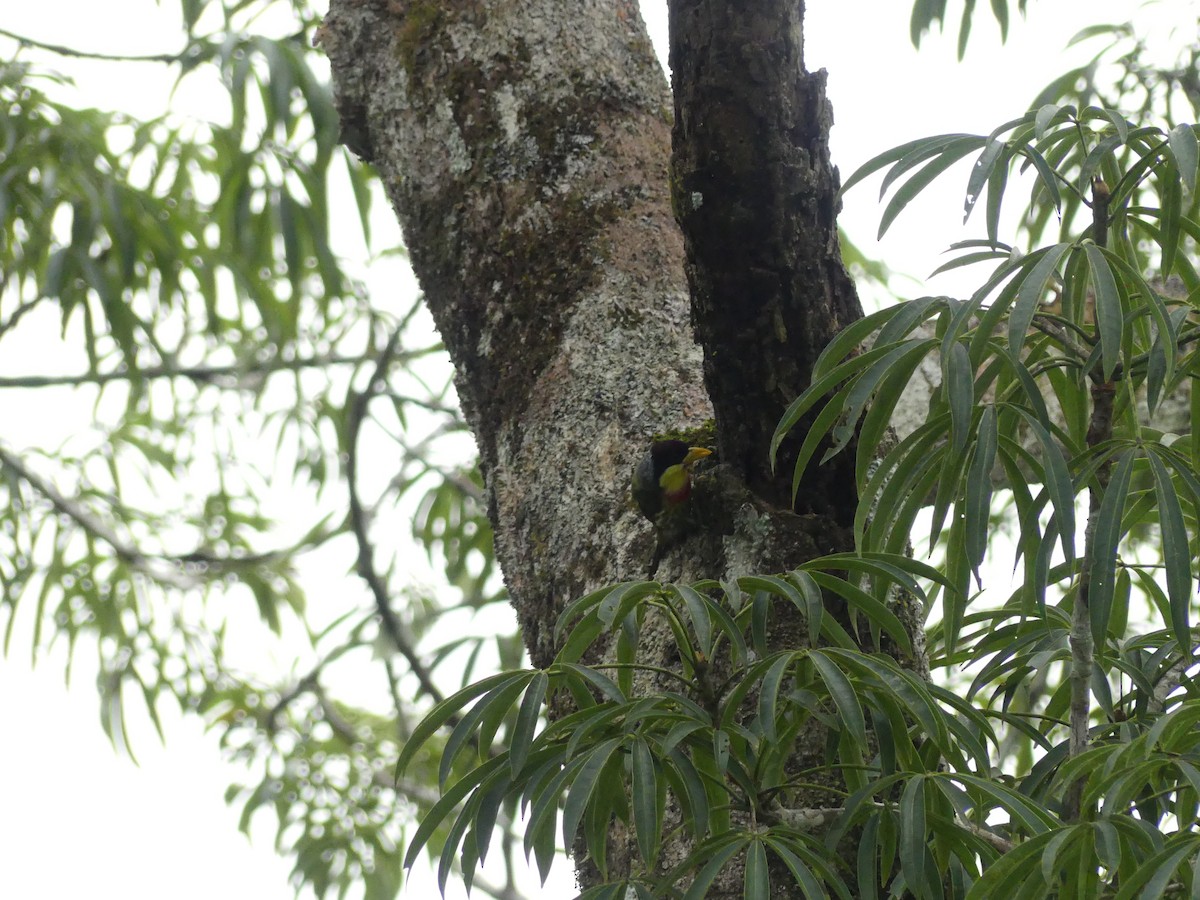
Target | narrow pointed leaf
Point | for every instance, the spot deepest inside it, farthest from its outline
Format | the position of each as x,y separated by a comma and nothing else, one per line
913,827
527,720
921,180
1182,141
645,802
960,392
895,154
708,872
842,692
1109,315
757,881
447,710
1030,294
1103,565
977,508
1058,483
1176,557
768,695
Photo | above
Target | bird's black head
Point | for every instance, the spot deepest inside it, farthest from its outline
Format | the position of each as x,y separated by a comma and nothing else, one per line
666,454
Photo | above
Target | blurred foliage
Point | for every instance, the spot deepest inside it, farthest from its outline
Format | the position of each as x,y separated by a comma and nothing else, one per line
928,13
183,291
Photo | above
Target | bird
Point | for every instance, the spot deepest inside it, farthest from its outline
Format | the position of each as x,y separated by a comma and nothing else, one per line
662,479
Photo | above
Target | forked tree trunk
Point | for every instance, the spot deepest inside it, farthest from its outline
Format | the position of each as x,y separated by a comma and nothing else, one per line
525,147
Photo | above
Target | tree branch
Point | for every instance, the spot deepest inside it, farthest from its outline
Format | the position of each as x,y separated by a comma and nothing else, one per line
753,190
201,374
159,569
810,819
356,408
63,50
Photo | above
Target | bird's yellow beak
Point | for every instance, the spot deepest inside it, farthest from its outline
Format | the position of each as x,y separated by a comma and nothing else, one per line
695,454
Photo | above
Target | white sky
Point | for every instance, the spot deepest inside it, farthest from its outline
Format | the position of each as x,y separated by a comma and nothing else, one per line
77,820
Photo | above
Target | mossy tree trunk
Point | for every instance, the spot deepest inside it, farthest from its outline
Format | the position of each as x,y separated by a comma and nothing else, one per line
526,148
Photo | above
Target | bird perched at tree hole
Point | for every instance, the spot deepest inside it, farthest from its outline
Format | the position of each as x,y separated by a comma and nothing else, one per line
663,477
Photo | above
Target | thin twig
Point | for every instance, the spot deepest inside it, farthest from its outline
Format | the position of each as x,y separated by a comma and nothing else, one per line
19,312
161,567
356,408
1171,679
63,50
810,819
201,374
157,568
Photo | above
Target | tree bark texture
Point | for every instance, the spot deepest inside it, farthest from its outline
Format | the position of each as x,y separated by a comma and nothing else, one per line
525,147
755,194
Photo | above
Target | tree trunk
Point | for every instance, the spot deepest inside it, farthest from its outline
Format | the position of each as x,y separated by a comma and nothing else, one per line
525,147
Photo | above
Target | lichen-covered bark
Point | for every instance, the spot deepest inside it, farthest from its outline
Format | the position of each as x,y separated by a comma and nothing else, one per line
754,192
525,147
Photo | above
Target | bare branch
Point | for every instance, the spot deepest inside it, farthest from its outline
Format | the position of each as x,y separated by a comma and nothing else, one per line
156,568
63,50
19,312
810,819
202,374
356,407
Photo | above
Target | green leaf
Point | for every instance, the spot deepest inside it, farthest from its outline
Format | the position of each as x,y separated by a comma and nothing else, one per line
803,874
689,788
926,146
1156,873
577,608
852,336
1182,141
843,696
757,881
597,680
1170,217
1109,315
913,828
697,613
1047,179
959,387
498,704
993,153
1041,267
1176,557
814,394
623,598
646,819
527,720
1030,816
448,803
996,186
978,498
717,858
922,179
896,366
877,612
468,725
448,709
1103,565
768,695
814,608
1058,484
